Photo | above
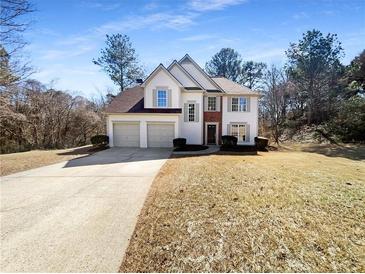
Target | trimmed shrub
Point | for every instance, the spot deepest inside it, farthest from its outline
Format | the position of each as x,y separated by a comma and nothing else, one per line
100,140
179,142
228,140
261,143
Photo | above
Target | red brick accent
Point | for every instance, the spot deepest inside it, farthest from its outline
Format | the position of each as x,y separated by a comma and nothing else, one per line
214,116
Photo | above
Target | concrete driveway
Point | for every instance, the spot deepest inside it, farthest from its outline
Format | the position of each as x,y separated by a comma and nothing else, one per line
75,216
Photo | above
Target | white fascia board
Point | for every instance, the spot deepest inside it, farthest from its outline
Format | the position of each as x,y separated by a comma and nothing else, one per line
153,73
175,63
201,70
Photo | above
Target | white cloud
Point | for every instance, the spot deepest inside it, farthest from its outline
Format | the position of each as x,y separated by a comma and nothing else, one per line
151,6
57,54
300,15
83,78
75,40
153,21
265,54
195,38
100,5
208,5
328,12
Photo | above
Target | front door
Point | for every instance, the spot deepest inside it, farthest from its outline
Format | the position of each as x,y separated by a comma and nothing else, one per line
211,134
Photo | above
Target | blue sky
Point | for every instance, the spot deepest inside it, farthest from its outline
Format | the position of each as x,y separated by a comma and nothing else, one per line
67,35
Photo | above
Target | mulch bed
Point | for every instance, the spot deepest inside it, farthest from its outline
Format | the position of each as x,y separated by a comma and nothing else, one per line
249,150
191,148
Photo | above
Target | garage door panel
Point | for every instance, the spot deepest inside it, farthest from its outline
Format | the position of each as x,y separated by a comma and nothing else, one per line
126,134
160,135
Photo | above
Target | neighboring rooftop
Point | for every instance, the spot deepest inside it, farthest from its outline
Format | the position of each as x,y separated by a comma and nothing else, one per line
231,87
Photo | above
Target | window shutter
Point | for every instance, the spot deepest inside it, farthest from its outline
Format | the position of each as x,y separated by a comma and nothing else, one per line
218,103
154,98
186,112
196,118
247,127
205,103
229,101
229,129
248,108
169,98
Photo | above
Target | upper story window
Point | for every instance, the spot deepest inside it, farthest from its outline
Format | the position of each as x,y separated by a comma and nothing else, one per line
239,104
162,98
191,112
212,103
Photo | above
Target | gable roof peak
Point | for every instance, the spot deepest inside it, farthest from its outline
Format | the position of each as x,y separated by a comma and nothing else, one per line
195,64
186,56
158,68
172,63
181,68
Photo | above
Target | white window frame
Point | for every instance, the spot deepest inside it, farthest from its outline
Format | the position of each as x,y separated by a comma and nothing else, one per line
239,133
214,103
191,115
240,105
163,99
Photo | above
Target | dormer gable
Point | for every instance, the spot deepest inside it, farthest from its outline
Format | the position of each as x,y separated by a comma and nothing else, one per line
198,74
162,81
157,70
183,76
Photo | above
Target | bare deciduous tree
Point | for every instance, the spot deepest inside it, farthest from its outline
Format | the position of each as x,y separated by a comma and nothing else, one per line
34,117
13,23
275,101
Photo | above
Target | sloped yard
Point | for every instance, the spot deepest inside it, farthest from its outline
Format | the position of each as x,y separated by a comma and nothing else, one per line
278,211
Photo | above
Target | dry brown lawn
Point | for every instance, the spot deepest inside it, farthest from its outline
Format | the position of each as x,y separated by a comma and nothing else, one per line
16,162
284,211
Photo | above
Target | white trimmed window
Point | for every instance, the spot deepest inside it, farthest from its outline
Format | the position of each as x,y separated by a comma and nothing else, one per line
212,103
239,104
239,131
191,112
161,98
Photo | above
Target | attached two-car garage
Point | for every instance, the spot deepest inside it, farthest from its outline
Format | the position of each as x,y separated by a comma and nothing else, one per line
126,134
159,134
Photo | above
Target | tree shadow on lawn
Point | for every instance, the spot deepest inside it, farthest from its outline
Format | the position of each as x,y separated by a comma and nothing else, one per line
353,152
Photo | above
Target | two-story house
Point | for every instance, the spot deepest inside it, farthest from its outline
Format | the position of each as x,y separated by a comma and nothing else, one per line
182,101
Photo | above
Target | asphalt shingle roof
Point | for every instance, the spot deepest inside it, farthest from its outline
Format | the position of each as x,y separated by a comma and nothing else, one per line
125,100
231,87
131,101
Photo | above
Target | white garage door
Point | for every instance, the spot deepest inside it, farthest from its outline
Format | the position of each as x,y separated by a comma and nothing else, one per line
126,134
160,135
